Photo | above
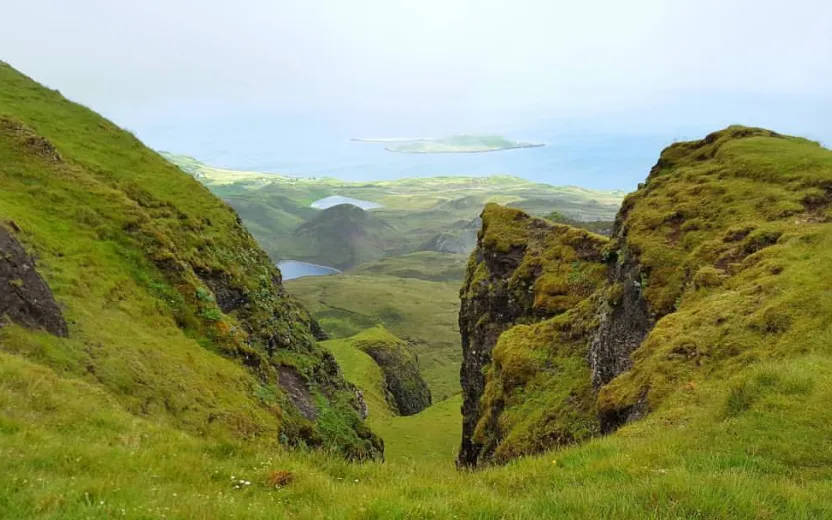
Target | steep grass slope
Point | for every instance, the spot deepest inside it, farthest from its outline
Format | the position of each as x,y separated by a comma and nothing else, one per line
171,306
70,452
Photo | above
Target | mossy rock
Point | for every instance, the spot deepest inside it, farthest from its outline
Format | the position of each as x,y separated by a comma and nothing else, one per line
407,391
526,323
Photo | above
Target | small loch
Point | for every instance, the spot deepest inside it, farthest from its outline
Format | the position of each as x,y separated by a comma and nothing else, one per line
296,269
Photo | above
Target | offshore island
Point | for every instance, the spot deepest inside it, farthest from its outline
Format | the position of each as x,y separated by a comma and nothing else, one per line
463,143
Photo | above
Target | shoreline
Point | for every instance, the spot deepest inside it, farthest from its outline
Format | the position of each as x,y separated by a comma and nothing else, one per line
537,145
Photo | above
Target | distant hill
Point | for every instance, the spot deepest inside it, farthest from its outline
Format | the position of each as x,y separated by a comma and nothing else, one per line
342,236
425,212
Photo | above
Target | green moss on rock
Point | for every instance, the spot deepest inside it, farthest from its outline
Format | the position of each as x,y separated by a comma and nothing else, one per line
525,322
746,280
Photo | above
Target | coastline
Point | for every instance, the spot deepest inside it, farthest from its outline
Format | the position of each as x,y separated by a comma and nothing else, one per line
535,145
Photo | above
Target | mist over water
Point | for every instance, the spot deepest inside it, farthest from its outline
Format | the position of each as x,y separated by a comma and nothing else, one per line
607,150
308,148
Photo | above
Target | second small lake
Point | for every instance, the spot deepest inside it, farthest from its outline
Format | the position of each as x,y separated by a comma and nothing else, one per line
297,269
335,200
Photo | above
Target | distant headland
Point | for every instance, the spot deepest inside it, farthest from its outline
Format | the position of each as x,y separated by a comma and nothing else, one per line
463,143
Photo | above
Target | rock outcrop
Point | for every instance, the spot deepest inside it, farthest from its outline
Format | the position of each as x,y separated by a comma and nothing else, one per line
525,273
24,296
406,390
460,239
690,285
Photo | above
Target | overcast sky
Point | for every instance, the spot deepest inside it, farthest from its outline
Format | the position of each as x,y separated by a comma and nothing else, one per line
139,60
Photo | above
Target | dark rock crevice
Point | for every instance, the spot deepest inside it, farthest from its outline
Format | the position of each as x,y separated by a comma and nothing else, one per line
482,318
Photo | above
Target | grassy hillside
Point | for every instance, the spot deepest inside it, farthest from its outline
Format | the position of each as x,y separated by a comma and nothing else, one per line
71,452
172,309
714,274
738,281
424,265
422,312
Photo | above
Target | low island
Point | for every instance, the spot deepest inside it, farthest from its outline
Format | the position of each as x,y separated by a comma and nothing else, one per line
463,143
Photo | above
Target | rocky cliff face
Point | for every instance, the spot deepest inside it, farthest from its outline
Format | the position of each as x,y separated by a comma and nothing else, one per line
689,286
524,272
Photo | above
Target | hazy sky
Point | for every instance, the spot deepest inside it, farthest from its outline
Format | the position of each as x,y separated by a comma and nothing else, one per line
140,60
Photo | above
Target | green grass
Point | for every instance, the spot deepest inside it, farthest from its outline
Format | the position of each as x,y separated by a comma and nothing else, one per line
70,451
422,312
429,436
424,265
740,279
406,392
360,370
